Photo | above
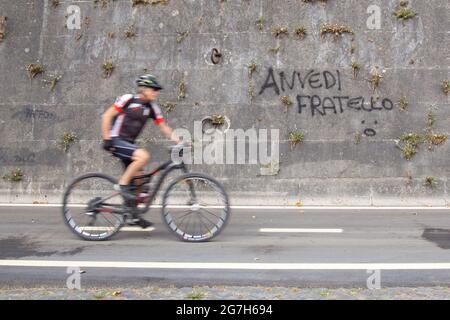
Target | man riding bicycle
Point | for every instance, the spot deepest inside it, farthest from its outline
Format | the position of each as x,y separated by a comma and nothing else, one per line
121,125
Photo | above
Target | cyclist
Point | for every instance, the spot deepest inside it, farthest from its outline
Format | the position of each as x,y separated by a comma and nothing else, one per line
121,125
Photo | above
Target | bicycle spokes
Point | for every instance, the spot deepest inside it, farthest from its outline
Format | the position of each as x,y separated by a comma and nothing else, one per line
92,209
196,208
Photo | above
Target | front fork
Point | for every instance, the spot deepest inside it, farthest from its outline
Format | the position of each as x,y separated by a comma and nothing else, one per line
191,186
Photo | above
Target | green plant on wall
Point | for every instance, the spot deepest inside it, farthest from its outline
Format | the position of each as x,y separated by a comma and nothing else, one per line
280,31
375,79
295,137
103,3
358,137
431,118
352,46
260,23
286,101
108,68
145,2
181,36
300,32
446,86
182,90
409,144
15,175
335,30
251,68
78,36
433,139
87,22
355,67
34,69
217,119
404,13
275,50
67,139
168,106
430,182
196,295
402,103
251,91
130,32
3,20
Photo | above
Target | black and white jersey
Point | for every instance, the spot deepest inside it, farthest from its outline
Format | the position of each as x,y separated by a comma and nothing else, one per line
133,116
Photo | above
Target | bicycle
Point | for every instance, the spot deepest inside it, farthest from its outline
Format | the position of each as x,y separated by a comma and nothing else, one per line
104,212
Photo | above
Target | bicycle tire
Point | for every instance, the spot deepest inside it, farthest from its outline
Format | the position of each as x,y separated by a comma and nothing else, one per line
65,211
170,224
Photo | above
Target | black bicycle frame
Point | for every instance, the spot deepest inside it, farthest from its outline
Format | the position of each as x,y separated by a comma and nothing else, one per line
166,168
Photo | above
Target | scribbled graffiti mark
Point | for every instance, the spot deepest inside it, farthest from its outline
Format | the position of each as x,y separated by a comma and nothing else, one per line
29,113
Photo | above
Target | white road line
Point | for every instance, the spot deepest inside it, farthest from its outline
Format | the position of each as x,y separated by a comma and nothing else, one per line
226,266
256,207
338,208
128,229
299,230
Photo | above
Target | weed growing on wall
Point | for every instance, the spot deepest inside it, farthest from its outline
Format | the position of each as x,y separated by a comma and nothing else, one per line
34,69
404,13
446,86
108,68
295,137
67,139
15,175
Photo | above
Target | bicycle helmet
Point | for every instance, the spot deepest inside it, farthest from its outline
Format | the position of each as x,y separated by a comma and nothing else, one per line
148,81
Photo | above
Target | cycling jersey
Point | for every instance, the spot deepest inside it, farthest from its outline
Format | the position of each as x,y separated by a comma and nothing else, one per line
133,116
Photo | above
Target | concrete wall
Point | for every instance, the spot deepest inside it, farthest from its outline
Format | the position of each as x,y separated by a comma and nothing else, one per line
339,162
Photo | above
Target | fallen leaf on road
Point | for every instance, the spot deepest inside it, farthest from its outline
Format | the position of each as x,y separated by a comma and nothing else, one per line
298,204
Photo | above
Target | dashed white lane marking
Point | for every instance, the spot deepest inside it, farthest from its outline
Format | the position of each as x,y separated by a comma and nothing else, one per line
299,230
226,266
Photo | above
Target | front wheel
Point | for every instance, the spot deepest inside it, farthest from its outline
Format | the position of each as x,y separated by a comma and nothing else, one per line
195,207
92,209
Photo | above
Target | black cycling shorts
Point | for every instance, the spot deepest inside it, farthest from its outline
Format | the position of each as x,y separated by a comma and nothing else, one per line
124,151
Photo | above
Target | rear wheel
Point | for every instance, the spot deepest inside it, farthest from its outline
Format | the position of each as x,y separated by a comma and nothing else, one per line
195,207
92,209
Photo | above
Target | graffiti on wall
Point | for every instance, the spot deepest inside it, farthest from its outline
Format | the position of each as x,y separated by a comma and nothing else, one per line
316,104
29,113
27,157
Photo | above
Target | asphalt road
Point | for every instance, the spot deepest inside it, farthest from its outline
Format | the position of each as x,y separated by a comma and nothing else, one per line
410,247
